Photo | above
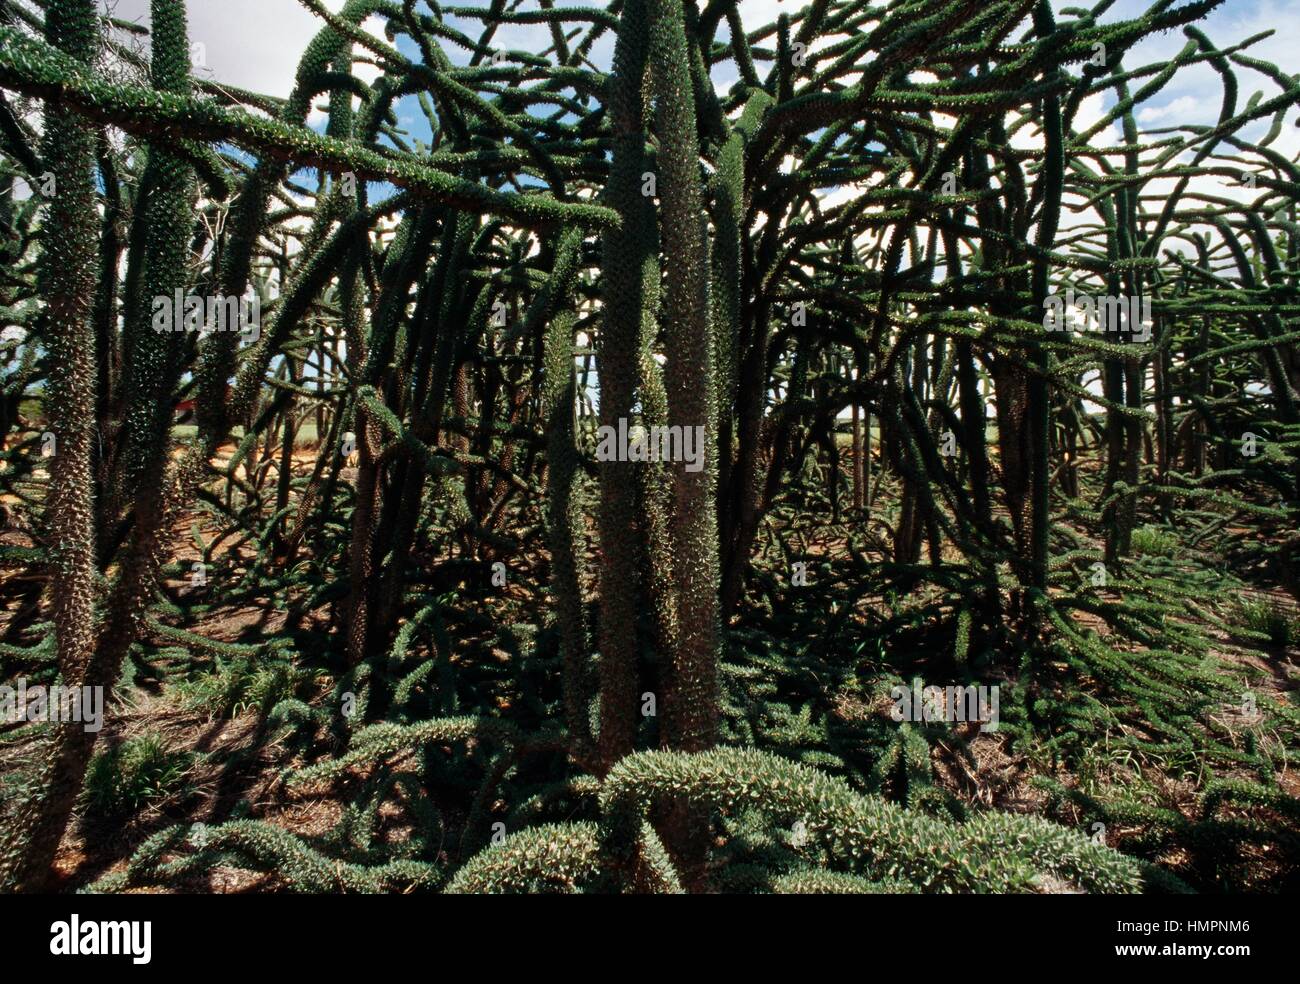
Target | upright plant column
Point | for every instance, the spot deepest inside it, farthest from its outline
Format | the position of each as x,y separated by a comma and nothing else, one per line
68,273
151,365
691,700
691,709
1039,405
626,254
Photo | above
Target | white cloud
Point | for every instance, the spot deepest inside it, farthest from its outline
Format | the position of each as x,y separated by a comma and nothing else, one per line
1175,111
252,44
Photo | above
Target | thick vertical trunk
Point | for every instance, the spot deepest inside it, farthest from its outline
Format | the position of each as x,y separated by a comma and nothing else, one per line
68,280
691,704
564,530
692,712
627,253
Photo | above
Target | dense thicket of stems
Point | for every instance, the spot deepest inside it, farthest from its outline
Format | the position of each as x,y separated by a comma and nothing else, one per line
829,246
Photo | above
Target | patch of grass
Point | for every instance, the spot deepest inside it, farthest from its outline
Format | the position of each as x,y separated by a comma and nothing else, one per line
1269,618
17,786
131,775
1154,541
241,686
